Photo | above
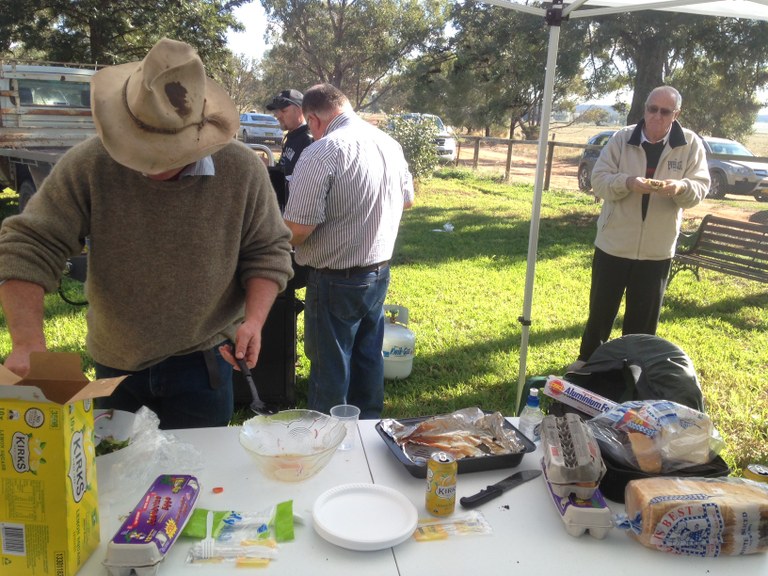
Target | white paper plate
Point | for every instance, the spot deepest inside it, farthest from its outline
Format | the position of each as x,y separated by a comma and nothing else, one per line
364,516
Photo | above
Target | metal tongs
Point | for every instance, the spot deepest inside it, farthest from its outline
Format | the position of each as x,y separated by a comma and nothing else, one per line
257,404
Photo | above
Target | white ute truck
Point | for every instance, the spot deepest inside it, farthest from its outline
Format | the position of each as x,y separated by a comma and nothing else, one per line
45,109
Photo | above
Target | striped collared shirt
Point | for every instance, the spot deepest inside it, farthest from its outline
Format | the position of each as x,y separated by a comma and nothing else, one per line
203,167
352,185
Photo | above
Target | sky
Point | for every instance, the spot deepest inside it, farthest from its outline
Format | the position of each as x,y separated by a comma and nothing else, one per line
250,42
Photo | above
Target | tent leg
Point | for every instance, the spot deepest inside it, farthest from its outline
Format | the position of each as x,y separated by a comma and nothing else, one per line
533,236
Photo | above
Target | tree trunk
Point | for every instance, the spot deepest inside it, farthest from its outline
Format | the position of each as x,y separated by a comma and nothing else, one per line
650,74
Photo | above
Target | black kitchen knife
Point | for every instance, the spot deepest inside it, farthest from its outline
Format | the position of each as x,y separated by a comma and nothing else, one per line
499,488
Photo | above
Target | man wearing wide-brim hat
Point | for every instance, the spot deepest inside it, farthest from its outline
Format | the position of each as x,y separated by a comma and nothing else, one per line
187,249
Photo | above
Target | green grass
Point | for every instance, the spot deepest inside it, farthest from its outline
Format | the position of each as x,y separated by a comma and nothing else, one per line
464,292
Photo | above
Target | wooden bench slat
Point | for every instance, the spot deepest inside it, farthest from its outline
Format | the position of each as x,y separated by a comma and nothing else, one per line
724,264
728,246
746,256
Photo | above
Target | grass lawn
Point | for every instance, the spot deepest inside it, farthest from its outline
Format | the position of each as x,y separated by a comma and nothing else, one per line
464,292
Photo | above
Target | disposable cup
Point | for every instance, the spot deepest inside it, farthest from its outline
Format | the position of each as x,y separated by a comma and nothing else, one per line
349,415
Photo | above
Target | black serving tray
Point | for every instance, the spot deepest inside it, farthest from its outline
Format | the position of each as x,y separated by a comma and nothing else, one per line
469,464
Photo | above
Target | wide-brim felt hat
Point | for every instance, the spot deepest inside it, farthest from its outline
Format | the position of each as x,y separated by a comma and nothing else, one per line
162,112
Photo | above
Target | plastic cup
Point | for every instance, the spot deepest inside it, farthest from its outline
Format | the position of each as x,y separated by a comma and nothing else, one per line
349,415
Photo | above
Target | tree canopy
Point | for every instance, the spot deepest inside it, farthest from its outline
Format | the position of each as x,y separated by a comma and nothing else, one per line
352,44
477,66
95,31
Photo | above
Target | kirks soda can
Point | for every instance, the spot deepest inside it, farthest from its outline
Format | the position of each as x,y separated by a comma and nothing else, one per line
441,484
757,472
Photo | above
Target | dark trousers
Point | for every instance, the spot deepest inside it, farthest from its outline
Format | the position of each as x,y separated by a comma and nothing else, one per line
189,391
644,282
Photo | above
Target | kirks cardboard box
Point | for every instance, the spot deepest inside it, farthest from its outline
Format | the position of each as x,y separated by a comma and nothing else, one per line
49,517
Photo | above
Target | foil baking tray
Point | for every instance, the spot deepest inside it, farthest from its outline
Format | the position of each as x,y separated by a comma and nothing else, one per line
414,457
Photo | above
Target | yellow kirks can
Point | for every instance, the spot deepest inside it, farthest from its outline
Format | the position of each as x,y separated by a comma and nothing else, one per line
757,472
441,484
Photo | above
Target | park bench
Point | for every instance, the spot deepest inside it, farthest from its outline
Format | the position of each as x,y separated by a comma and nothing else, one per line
732,247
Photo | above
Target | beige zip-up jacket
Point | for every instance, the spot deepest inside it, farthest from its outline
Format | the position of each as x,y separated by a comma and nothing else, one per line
621,230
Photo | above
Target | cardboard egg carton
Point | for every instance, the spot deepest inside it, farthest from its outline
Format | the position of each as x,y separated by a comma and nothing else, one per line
572,459
581,515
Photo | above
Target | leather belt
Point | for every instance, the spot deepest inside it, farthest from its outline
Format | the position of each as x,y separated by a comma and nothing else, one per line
355,270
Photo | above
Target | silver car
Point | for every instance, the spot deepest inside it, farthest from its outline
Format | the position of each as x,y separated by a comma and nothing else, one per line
260,128
589,157
734,175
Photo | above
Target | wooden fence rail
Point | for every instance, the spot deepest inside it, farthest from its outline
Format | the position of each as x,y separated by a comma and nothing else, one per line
474,143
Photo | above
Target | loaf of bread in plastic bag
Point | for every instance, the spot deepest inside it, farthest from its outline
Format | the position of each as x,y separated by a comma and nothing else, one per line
698,516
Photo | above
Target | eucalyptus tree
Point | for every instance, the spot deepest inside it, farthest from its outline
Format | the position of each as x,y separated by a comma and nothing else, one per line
718,64
242,79
494,75
353,44
112,32
721,77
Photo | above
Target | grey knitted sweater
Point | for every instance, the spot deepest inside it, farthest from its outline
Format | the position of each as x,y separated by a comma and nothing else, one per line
167,261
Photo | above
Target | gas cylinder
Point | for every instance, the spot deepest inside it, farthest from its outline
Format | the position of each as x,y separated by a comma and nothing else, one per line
399,343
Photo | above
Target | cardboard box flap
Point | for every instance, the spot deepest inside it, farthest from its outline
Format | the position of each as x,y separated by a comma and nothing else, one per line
63,392
8,378
59,378
59,366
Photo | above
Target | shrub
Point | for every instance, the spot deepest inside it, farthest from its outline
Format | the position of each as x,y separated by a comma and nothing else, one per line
417,137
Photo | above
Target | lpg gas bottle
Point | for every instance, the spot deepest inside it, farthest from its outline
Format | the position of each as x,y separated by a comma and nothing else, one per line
399,343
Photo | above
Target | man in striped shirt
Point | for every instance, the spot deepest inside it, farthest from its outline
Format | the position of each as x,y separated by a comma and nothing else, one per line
348,193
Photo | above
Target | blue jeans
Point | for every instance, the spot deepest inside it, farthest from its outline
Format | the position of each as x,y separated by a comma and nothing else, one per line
343,335
178,389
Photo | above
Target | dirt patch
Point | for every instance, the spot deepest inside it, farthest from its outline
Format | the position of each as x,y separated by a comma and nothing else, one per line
564,177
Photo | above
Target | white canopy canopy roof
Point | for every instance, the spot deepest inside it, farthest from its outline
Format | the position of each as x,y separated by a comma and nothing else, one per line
752,9
749,9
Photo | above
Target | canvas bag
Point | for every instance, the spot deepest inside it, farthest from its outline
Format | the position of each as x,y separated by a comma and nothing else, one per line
641,367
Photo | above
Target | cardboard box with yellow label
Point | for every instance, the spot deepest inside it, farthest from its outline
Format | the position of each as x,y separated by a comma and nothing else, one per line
49,517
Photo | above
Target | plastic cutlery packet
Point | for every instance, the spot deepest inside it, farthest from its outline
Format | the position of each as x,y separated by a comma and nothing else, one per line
154,524
242,539
466,524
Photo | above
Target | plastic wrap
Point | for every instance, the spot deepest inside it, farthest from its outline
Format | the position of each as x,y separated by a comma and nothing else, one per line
151,452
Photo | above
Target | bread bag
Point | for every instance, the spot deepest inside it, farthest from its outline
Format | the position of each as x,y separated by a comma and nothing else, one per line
656,436
698,516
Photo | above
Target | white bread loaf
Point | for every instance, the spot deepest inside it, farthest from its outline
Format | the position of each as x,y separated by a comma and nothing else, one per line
699,517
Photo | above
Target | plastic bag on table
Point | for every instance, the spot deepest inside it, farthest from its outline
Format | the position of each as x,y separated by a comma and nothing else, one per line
656,436
151,452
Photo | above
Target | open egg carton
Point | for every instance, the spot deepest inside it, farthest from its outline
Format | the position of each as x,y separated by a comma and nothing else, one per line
573,468
571,456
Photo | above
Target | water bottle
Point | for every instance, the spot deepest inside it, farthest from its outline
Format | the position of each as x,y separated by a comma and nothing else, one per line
531,417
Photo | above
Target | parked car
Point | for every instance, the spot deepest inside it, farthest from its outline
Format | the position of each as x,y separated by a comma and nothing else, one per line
445,142
260,128
589,157
735,176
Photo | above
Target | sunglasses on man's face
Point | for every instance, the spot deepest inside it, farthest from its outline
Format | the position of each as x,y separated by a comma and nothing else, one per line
653,109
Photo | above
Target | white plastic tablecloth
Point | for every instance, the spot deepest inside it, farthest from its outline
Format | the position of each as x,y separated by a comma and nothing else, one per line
528,537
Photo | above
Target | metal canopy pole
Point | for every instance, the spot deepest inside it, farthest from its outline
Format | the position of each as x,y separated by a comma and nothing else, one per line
553,19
